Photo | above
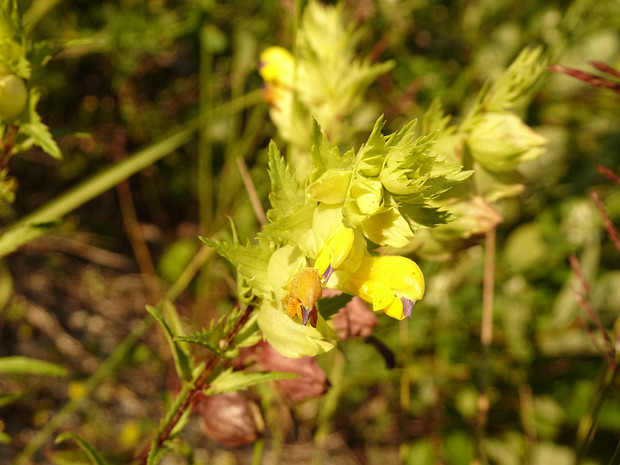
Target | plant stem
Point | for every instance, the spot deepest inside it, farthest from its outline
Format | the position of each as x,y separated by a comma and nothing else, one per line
190,394
587,425
486,337
615,460
205,150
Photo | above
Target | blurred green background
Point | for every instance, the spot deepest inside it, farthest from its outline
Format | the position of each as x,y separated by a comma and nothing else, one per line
124,74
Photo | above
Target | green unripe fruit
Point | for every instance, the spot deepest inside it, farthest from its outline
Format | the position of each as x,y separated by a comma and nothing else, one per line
13,96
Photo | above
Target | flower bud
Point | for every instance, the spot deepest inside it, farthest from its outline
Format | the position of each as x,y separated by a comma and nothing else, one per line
311,383
13,96
276,66
500,141
229,419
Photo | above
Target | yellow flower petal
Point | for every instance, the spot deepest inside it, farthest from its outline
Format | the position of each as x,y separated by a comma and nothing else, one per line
388,282
335,251
277,66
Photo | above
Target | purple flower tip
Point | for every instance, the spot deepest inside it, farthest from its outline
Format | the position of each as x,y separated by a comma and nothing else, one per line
407,306
328,272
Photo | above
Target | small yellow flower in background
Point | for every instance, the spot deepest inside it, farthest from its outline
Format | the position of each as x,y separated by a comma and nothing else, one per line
276,66
391,284
304,289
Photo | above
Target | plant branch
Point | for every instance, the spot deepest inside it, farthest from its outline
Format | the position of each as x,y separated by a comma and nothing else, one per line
486,337
190,393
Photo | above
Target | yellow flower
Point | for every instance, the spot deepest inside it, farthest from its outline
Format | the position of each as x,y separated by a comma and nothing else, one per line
392,284
276,66
334,252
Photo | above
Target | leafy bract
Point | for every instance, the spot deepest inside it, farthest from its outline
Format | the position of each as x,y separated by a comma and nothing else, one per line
35,131
249,260
286,195
295,229
290,338
325,155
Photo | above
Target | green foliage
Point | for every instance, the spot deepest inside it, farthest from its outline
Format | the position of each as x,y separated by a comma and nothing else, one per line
232,381
503,151
181,358
24,365
93,455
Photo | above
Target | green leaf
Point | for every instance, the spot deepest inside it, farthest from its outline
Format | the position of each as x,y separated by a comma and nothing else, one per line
93,455
295,229
210,340
250,261
422,216
232,381
329,306
181,359
213,339
370,157
291,338
326,156
37,133
286,194
25,365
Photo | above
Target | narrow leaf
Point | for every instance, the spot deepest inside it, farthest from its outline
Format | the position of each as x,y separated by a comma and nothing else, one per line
93,455
231,381
25,365
181,359
207,339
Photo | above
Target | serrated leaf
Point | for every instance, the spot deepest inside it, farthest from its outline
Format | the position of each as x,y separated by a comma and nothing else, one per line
37,133
181,359
232,381
326,156
29,366
370,157
12,55
295,229
424,216
250,261
93,454
207,339
286,194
